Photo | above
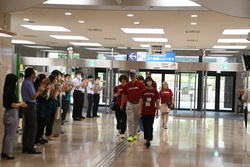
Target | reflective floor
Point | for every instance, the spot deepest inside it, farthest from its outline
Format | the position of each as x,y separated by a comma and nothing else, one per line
187,142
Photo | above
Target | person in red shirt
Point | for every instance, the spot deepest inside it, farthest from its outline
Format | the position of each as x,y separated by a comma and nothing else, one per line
165,94
148,74
120,115
131,92
149,103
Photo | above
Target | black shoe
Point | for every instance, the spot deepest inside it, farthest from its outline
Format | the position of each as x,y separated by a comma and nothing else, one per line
147,144
77,119
7,157
90,117
24,150
82,117
45,141
96,115
33,151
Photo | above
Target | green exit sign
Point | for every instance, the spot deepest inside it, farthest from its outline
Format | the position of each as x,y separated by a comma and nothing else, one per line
225,66
91,63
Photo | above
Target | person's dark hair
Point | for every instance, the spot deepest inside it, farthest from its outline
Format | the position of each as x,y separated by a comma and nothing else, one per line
148,79
56,72
28,72
52,78
66,75
141,78
123,76
79,72
148,72
10,82
39,80
97,78
90,76
21,75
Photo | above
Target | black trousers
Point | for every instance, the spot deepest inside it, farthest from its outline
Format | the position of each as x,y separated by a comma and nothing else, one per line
96,104
121,118
78,97
148,121
41,123
49,126
90,101
65,107
30,126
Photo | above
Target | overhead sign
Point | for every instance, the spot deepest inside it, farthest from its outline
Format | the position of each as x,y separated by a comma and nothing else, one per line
157,49
132,56
167,57
169,66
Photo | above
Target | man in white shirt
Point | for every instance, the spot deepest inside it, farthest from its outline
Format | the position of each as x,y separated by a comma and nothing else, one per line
90,96
78,96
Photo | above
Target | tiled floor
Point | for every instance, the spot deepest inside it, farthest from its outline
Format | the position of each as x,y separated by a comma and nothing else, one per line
187,142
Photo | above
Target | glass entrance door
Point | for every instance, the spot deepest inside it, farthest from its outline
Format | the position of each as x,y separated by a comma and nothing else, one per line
220,91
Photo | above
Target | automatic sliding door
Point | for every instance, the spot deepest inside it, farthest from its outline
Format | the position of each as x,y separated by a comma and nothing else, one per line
226,93
210,92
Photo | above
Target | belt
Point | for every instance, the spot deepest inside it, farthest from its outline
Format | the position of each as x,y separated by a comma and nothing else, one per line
134,102
28,102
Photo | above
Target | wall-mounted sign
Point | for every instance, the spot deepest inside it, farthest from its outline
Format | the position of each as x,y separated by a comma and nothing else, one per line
169,66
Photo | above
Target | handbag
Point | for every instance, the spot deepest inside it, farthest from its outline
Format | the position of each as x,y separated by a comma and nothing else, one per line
169,103
112,105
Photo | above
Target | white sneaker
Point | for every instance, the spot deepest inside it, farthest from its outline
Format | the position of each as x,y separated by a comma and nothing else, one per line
122,136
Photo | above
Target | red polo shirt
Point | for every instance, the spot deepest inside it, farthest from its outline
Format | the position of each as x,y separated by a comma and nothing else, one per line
165,94
149,98
133,90
119,89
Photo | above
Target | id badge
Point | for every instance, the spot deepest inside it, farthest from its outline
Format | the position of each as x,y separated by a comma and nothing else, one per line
147,104
149,99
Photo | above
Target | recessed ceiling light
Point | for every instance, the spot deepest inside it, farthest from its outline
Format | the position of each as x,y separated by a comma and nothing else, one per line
22,42
194,15
229,47
97,48
67,37
193,23
142,31
81,21
26,19
5,35
180,3
68,14
150,39
85,44
236,31
147,46
130,15
136,22
46,28
233,41
37,47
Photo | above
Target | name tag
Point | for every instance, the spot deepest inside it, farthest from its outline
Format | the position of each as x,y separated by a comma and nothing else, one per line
149,99
147,104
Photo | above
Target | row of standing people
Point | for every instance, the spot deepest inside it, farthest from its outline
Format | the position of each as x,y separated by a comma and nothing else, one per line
39,106
138,98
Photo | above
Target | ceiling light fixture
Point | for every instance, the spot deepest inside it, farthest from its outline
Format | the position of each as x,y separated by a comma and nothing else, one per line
224,51
46,28
193,23
136,22
194,15
81,21
97,48
68,14
130,15
229,47
26,19
233,41
150,39
236,31
147,46
37,47
22,42
5,35
85,44
67,37
142,30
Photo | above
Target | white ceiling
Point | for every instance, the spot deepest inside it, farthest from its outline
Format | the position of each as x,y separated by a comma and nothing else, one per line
110,18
